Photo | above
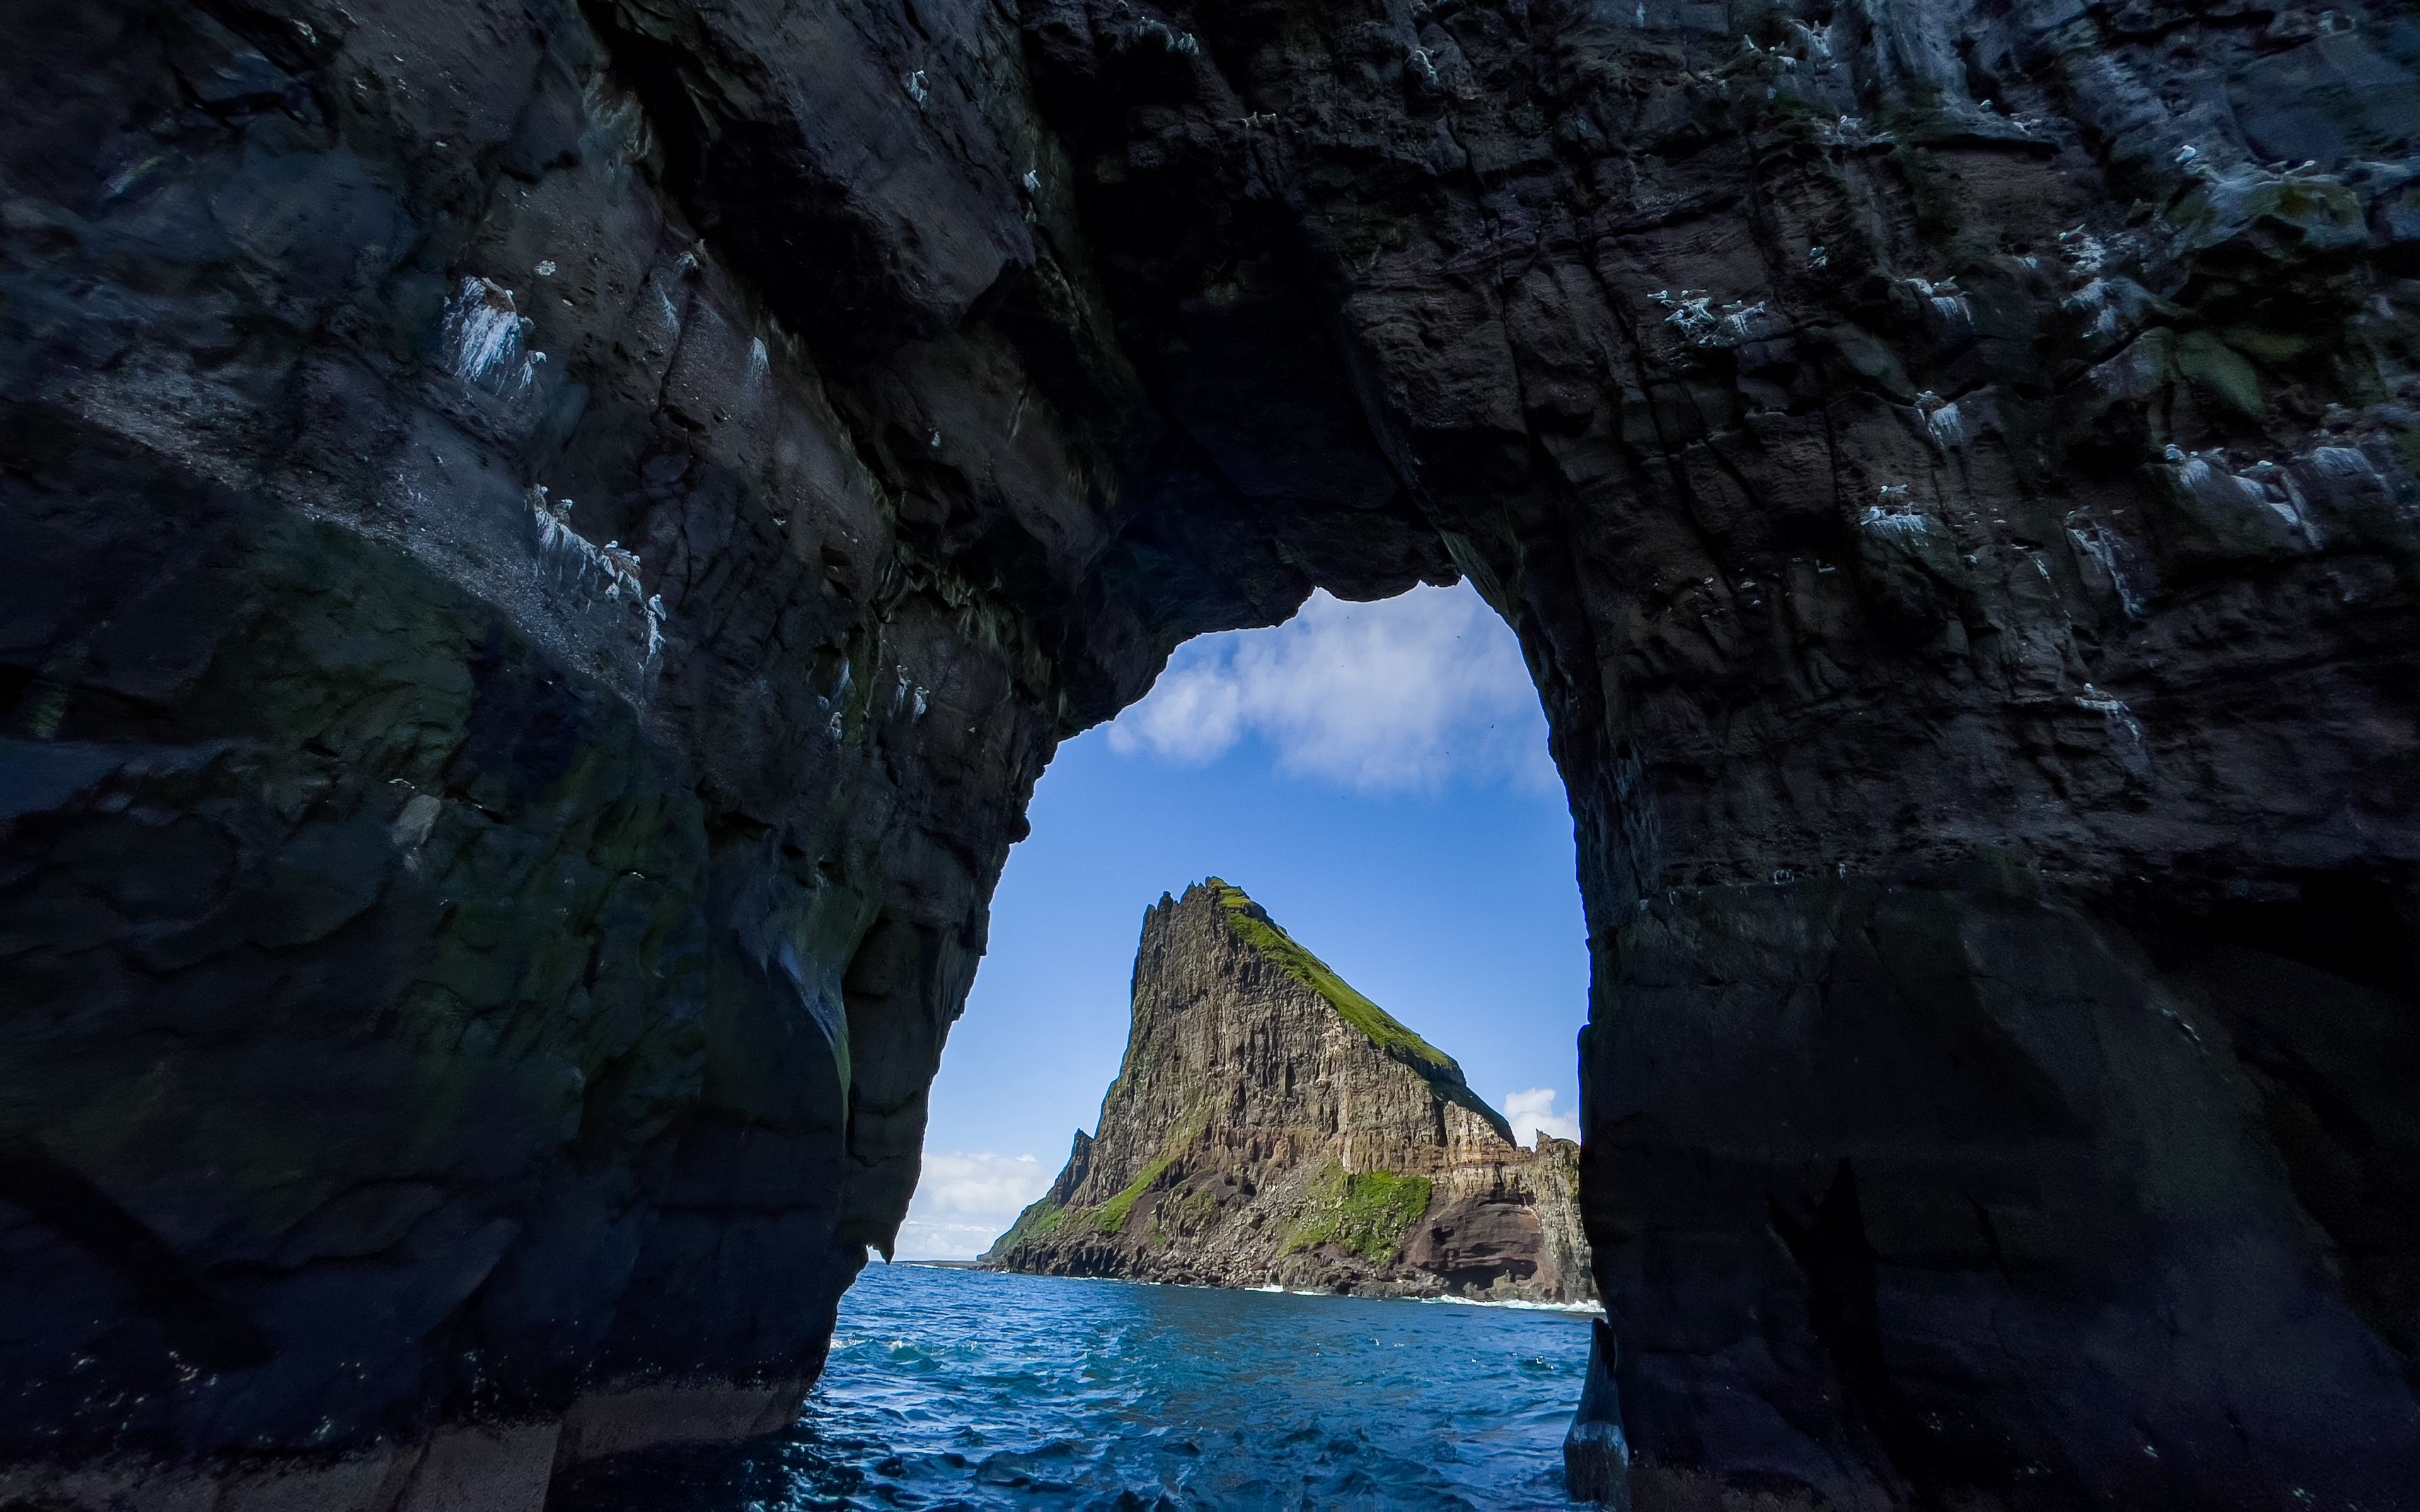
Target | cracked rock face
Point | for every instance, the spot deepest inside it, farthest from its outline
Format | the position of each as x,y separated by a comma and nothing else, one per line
1270,1126
550,543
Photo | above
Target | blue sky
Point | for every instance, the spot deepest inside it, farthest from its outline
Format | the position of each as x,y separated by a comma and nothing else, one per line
1376,775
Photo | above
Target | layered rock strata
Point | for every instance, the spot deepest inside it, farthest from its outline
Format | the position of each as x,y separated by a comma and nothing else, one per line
549,542
1270,1126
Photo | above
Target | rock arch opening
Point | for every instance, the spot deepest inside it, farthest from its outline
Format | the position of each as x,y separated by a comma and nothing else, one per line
1374,777
553,543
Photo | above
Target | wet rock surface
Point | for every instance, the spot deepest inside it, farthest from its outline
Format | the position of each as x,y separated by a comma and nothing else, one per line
1271,1127
550,544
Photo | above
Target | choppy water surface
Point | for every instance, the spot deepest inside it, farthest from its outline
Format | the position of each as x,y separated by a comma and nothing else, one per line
962,1389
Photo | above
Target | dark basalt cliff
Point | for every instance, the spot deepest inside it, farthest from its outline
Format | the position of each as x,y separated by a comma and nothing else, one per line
1270,1126
473,959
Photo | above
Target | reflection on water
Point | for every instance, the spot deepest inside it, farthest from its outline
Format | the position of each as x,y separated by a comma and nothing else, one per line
960,1389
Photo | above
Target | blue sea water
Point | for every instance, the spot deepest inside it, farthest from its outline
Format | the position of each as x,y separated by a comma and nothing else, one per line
972,1390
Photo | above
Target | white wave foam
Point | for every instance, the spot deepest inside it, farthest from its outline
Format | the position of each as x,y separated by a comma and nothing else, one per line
1516,1305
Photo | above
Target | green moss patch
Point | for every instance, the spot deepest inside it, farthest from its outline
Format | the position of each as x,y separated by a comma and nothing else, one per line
1111,1216
2220,369
1368,1213
1035,1224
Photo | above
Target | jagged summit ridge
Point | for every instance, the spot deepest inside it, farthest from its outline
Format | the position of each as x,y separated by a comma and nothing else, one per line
1272,1124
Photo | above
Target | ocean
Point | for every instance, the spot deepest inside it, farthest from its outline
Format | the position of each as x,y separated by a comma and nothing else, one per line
971,1391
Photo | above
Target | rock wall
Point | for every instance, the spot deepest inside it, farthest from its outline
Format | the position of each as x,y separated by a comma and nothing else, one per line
550,547
1270,1126
1950,469
550,542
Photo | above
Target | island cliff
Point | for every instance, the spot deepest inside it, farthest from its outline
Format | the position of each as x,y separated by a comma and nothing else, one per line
1272,1126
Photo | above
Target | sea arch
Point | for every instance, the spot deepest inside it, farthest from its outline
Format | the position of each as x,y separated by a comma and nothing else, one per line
569,534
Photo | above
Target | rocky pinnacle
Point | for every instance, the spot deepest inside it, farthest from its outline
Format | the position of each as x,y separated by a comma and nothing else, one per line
1271,1126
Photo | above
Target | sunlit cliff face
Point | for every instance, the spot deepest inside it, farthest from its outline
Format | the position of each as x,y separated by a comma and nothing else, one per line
1993,829
1271,1125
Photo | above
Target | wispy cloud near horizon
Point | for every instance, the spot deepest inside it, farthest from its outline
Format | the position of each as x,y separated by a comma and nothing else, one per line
1412,694
963,1202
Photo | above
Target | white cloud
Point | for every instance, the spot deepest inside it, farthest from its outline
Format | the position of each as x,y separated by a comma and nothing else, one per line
964,1202
1534,1110
923,1239
1406,694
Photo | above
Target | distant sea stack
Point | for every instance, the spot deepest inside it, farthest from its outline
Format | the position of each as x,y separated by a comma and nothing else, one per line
1272,1126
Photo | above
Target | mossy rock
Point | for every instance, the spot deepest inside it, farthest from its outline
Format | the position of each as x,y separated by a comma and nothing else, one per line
1367,1213
2222,372
1111,1216
1035,1225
